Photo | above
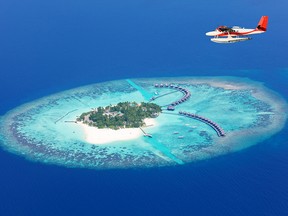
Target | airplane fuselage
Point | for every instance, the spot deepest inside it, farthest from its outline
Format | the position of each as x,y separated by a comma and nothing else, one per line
235,31
224,34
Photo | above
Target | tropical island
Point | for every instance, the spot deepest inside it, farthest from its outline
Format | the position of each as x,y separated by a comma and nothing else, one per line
111,136
123,115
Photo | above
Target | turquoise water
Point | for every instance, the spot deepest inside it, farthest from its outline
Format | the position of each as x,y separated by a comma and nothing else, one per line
146,95
45,130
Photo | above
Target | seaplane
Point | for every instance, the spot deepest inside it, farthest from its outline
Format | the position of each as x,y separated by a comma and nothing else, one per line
225,34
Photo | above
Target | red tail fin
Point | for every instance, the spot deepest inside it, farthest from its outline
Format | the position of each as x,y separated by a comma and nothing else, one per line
263,23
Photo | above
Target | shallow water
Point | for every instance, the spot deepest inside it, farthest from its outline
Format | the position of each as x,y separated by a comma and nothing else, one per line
45,130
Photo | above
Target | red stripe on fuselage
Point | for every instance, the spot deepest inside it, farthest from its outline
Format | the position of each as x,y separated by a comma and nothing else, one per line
238,33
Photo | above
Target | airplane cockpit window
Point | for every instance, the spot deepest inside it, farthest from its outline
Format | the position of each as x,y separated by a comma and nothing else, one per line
225,29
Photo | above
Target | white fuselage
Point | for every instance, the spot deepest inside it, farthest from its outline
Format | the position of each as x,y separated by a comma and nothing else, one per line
235,34
225,34
236,31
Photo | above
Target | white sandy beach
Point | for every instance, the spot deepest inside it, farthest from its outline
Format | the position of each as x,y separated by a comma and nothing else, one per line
94,135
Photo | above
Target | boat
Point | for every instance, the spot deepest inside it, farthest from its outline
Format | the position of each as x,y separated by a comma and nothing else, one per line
148,135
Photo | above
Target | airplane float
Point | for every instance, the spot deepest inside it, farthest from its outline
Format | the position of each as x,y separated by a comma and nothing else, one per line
224,34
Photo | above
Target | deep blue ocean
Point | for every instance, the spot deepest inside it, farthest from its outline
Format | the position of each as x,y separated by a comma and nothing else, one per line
50,46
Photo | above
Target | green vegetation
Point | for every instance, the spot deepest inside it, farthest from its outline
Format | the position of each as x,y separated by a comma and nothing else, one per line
122,115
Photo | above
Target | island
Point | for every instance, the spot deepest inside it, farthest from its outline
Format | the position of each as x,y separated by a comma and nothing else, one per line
103,125
122,115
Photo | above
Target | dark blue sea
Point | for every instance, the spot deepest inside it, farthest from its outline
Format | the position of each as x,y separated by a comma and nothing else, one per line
50,46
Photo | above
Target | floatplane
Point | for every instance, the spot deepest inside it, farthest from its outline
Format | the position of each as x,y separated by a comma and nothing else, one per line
225,34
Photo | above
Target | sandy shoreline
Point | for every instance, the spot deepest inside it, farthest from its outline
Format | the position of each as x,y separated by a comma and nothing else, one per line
94,135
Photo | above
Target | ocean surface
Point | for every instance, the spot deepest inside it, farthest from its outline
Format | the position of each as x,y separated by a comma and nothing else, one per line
51,46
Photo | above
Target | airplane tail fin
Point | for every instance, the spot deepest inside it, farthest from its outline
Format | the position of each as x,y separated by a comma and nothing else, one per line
263,23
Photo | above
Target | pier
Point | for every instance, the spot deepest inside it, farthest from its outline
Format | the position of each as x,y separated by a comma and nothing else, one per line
220,132
186,95
156,97
146,134
171,106
64,116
